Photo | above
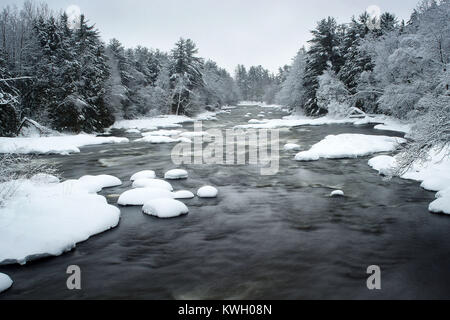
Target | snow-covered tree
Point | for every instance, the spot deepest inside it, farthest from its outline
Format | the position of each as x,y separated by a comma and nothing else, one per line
292,91
333,95
323,52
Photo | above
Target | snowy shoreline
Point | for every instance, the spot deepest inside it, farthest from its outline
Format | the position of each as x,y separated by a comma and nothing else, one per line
434,175
63,145
48,218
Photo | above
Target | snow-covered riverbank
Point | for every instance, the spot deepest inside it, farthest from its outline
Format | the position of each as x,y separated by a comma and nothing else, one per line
434,175
64,145
48,218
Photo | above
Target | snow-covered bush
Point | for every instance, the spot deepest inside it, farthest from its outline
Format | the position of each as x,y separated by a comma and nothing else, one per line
332,95
292,91
15,167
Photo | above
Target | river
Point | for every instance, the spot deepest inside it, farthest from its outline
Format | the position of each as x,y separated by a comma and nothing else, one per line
264,237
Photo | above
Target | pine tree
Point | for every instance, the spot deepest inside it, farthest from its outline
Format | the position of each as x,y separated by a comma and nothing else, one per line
323,53
186,75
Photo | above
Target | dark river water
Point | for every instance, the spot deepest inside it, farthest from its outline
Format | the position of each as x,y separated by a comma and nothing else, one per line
264,237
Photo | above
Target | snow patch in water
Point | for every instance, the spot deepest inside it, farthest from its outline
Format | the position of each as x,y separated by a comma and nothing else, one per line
165,208
5,282
207,192
349,146
176,174
139,196
152,183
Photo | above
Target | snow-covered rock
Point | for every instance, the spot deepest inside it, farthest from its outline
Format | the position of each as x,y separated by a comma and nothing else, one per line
137,197
5,282
337,193
194,134
133,131
50,219
385,165
152,183
145,174
157,139
64,144
162,133
207,192
394,125
349,146
292,147
165,208
176,174
183,194
255,121
90,184
169,121
100,182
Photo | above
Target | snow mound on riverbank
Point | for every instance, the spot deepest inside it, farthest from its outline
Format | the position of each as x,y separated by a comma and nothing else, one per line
63,145
433,173
152,183
165,208
48,219
170,121
137,197
349,146
5,282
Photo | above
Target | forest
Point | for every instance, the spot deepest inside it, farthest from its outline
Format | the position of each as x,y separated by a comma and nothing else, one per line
68,79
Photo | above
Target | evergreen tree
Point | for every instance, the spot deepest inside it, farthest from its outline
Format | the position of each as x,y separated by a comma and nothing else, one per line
185,76
323,53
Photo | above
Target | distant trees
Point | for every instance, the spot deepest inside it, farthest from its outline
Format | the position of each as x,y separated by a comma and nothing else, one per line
147,82
256,84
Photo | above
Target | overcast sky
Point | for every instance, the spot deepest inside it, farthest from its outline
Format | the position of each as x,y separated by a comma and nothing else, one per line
249,32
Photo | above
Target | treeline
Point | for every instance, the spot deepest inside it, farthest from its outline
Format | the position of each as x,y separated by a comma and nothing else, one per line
379,65
259,84
67,79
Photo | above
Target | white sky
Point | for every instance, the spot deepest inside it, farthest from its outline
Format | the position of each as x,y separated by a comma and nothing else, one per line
249,32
